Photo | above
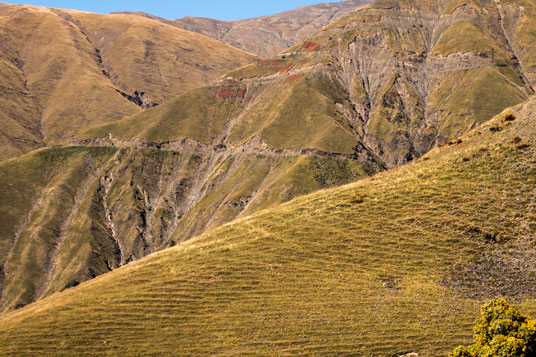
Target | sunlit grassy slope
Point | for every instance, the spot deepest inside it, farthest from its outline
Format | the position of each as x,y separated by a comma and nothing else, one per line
64,71
69,214
350,84
396,263
306,112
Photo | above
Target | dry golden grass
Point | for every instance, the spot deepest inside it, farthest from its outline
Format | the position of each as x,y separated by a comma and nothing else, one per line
152,57
70,213
62,71
301,114
323,274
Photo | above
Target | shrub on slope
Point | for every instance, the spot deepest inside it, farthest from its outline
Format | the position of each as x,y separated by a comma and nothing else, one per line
501,332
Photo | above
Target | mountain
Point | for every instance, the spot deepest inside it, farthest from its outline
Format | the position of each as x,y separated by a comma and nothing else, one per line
373,90
71,214
388,82
63,71
391,264
267,36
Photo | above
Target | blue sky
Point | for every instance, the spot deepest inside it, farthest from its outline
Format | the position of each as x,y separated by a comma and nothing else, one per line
218,9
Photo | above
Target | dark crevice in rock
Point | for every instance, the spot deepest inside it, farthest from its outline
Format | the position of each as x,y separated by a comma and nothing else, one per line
103,190
139,98
2,277
508,42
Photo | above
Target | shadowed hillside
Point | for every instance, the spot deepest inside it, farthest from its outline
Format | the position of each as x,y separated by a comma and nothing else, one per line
392,264
63,71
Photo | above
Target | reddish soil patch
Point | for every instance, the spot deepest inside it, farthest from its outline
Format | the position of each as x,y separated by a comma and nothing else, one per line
232,93
375,17
292,78
276,65
248,99
285,69
310,46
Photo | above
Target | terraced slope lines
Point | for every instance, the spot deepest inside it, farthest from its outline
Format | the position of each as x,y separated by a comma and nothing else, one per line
63,71
373,90
392,264
71,214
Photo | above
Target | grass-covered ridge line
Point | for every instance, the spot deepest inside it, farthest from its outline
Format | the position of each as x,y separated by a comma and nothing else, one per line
301,113
294,112
375,267
393,80
199,115
72,213
65,71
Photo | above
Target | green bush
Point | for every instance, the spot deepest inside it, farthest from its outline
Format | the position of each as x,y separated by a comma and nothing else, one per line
502,331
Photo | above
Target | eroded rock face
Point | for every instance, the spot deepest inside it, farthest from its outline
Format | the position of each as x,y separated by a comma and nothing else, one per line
421,73
72,214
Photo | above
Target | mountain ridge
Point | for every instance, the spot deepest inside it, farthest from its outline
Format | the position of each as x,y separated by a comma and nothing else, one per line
63,71
268,35
374,90
394,88
412,249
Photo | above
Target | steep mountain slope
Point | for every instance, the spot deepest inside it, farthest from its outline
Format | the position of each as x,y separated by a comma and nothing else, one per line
355,99
70,214
392,264
268,35
64,71
388,82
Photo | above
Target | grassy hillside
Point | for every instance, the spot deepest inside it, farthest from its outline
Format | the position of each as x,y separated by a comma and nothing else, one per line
305,111
393,79
70,214
20,131
40,193
62,72
154,58
373,90
376,89
395,263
